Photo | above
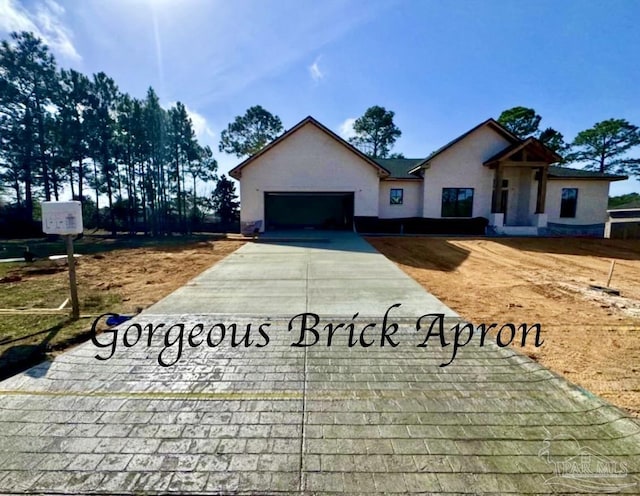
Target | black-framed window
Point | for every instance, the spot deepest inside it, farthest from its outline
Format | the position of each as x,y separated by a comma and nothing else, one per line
457,202
396,196
569,202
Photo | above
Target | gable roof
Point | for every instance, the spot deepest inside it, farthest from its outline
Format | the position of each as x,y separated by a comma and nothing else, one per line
408,168
535,144
399,167
556,172
236,172
491,123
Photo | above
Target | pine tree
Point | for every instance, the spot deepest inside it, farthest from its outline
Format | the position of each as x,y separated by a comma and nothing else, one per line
224,201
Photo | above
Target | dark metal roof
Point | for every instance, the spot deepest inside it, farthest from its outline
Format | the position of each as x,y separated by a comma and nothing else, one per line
567,173
399,167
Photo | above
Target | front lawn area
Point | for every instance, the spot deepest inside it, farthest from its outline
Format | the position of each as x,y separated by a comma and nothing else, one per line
122,275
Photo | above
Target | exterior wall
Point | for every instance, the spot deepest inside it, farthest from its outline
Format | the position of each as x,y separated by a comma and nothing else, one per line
412,200
311,161
461,167
593,197
308,161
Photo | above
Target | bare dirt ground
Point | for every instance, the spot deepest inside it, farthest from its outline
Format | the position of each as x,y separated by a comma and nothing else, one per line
121,280
142,276
133,277
591,338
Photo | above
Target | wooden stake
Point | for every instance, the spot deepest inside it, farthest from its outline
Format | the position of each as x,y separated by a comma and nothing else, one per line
613,264
75,304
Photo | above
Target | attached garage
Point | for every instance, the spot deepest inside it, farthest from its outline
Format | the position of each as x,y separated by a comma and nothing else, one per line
316,210
308,178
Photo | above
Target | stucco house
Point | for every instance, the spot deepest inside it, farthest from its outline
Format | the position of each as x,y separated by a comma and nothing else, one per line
309,178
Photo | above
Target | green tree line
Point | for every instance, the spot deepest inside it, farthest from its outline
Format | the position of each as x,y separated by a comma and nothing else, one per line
61,129
608,146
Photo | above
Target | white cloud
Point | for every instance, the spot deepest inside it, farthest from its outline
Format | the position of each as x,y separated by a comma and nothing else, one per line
200,125
346,128
44,20
314,70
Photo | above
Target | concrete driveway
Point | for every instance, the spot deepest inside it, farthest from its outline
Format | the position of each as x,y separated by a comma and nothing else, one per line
238,414
336,275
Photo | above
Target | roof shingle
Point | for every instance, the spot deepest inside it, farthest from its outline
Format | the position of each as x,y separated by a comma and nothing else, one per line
399,167
567,173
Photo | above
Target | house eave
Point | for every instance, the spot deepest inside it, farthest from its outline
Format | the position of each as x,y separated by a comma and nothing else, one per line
583,178
545,155
420,167
411,179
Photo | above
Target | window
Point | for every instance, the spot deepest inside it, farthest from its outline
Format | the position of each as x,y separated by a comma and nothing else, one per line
395,196
457,202
569,202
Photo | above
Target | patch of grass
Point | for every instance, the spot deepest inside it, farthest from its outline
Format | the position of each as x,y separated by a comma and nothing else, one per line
95,243
25,339
22,326
33,293
19,352
5,268
113,277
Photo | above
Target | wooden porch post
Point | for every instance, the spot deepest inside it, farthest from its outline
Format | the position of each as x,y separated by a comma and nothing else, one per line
542,190
496,200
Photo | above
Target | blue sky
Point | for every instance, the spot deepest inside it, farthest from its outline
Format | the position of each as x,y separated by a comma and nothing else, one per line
443,67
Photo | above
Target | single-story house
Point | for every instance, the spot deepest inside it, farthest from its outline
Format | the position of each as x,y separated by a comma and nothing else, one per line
624,222
310,177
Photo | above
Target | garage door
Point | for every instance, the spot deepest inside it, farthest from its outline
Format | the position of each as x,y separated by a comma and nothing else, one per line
308,210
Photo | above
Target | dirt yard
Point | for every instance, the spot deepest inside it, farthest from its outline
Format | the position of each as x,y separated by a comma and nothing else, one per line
143,276
136,277
592,339
121,280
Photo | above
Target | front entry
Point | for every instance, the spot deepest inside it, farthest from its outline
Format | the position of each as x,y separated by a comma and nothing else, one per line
331,211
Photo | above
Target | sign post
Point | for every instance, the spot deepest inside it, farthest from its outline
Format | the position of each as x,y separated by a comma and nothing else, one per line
73,286
65,218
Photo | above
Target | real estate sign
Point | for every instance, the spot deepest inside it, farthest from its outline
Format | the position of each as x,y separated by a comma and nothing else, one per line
65,218
61,217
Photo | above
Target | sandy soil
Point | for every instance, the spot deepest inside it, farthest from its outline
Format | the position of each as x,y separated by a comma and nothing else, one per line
134,277
592,339
145,275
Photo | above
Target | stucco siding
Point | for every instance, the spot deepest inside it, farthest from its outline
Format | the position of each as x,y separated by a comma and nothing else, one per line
461,167
411,204
593,197
308,161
